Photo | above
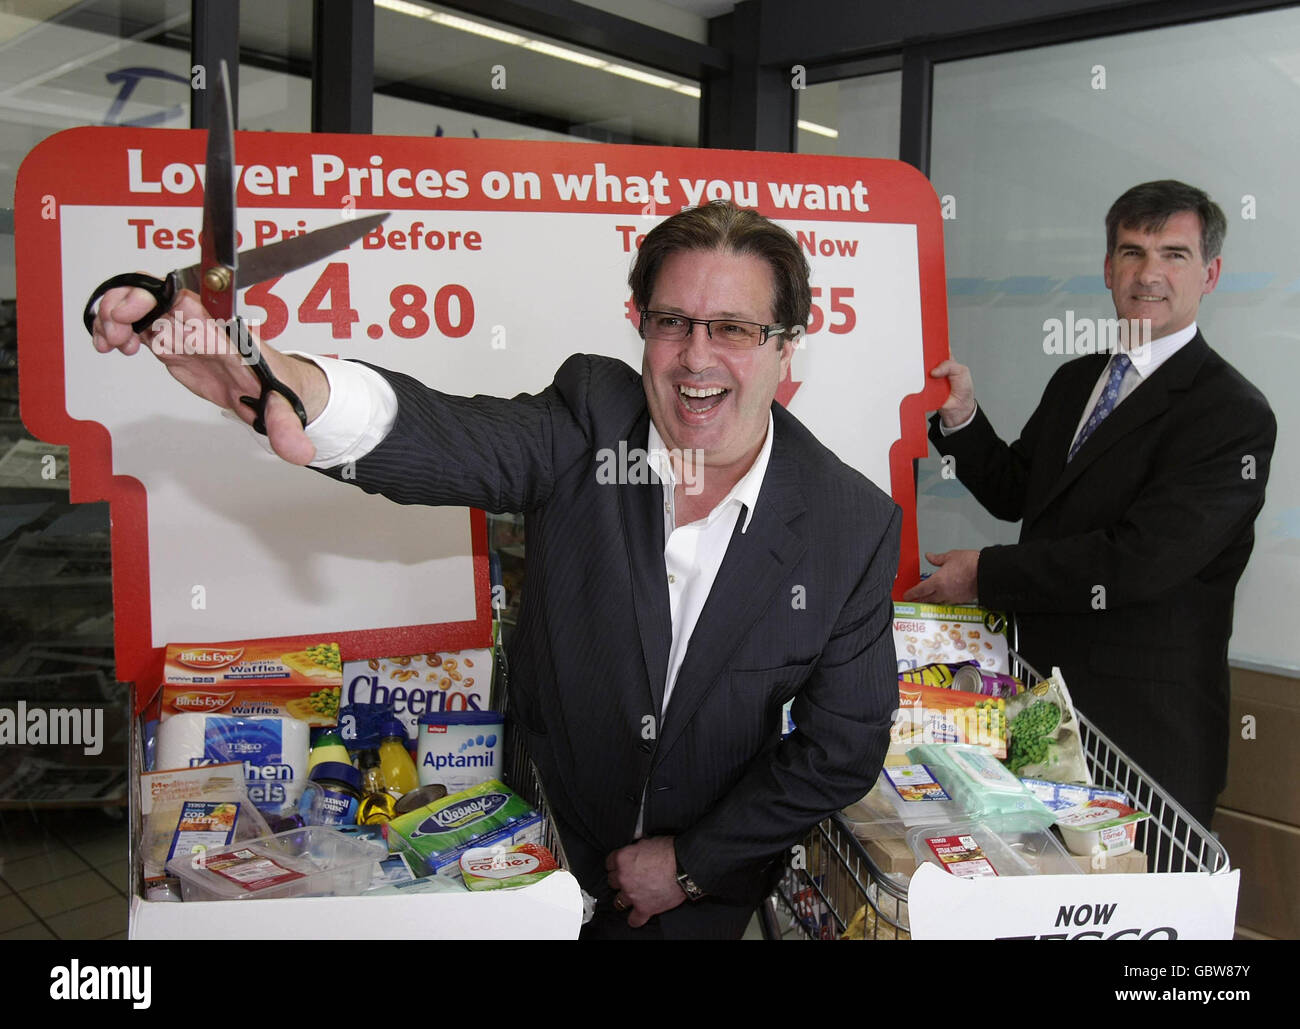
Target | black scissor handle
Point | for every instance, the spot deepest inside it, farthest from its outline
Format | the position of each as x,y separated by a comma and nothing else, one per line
248,349
162,290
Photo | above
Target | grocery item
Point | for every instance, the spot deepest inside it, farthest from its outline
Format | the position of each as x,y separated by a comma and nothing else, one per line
981,785
332,795
392,870
928,633
865,925
963,675
399,770
408,687
990,847
425,884
436,835
328,746
179,784
204,825
210,809
251,679
506,867
962,856
315,861
999,684
933,714
461,749
273,752
917,796
966,676
419,797
1045,740
1057,796
377,804
1038,849
1100,826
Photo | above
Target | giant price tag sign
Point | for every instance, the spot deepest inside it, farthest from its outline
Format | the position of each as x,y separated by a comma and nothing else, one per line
498,261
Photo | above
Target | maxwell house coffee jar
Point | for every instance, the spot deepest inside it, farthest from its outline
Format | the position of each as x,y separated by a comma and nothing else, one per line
460,749
332,796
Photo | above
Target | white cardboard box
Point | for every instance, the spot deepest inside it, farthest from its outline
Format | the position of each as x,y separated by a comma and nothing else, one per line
548,910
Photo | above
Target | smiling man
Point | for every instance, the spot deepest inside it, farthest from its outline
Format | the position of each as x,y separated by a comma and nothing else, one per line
1138,479
664,623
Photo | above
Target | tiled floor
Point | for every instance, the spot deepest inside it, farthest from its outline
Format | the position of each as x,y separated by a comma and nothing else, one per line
63,875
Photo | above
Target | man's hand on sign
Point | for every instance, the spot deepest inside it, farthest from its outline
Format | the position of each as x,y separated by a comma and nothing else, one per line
209,365
960,404
645,876
955,582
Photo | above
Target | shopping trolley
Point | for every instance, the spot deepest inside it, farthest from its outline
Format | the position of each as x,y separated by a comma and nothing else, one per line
832,884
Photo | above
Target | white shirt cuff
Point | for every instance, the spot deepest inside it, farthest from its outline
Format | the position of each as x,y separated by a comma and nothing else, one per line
944,430
360,412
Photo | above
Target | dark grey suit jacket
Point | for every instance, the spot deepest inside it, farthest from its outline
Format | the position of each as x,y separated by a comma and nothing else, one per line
1157,510
800,609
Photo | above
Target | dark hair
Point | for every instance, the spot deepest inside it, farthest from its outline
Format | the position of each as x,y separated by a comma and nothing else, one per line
1147,207
723,226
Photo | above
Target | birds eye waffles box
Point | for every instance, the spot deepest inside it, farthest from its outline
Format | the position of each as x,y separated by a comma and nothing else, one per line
251,679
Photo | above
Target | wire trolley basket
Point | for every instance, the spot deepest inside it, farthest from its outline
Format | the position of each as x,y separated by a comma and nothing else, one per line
832,888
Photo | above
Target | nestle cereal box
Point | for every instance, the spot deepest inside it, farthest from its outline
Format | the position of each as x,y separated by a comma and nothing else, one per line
926,634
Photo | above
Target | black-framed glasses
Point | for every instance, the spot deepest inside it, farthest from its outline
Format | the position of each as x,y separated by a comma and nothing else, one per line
666,327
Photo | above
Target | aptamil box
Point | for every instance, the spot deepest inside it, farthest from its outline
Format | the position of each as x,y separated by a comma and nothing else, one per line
460,750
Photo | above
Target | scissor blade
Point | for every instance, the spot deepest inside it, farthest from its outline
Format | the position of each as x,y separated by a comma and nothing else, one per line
218,233
276,259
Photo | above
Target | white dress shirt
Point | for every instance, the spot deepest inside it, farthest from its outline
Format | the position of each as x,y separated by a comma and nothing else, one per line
693,553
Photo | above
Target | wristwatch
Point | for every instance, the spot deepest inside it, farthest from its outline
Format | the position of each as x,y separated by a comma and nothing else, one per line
693,892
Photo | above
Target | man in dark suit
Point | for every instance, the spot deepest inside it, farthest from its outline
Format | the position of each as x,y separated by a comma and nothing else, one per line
728,564
1138,480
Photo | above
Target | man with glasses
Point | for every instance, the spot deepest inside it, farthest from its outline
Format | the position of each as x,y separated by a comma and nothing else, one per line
668,618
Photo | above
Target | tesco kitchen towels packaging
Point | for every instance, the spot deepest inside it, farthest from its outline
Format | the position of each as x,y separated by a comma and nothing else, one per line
273,752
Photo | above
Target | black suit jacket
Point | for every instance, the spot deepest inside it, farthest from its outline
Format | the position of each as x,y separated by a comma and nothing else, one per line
800,609
1129,555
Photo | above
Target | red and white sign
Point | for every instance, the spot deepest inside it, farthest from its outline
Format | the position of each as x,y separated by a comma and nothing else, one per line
499,260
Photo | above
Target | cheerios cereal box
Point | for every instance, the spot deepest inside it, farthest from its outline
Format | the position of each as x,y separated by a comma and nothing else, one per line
409,687
249,678
928,633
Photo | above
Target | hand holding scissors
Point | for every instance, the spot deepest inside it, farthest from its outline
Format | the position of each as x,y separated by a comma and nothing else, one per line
241,377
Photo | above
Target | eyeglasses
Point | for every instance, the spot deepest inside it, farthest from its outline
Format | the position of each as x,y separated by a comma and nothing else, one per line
663,326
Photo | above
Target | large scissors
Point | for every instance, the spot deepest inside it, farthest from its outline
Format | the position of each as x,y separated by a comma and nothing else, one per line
221,272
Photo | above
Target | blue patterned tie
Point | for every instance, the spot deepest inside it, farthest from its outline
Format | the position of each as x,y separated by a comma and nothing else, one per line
1119,364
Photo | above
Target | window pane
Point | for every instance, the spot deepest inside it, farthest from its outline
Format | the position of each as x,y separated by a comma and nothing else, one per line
1031,148
275,38
473,77
851,117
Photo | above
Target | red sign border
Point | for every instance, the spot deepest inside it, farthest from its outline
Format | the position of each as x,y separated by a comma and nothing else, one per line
59,168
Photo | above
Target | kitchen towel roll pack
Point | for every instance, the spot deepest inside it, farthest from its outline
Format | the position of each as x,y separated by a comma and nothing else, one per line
273,751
